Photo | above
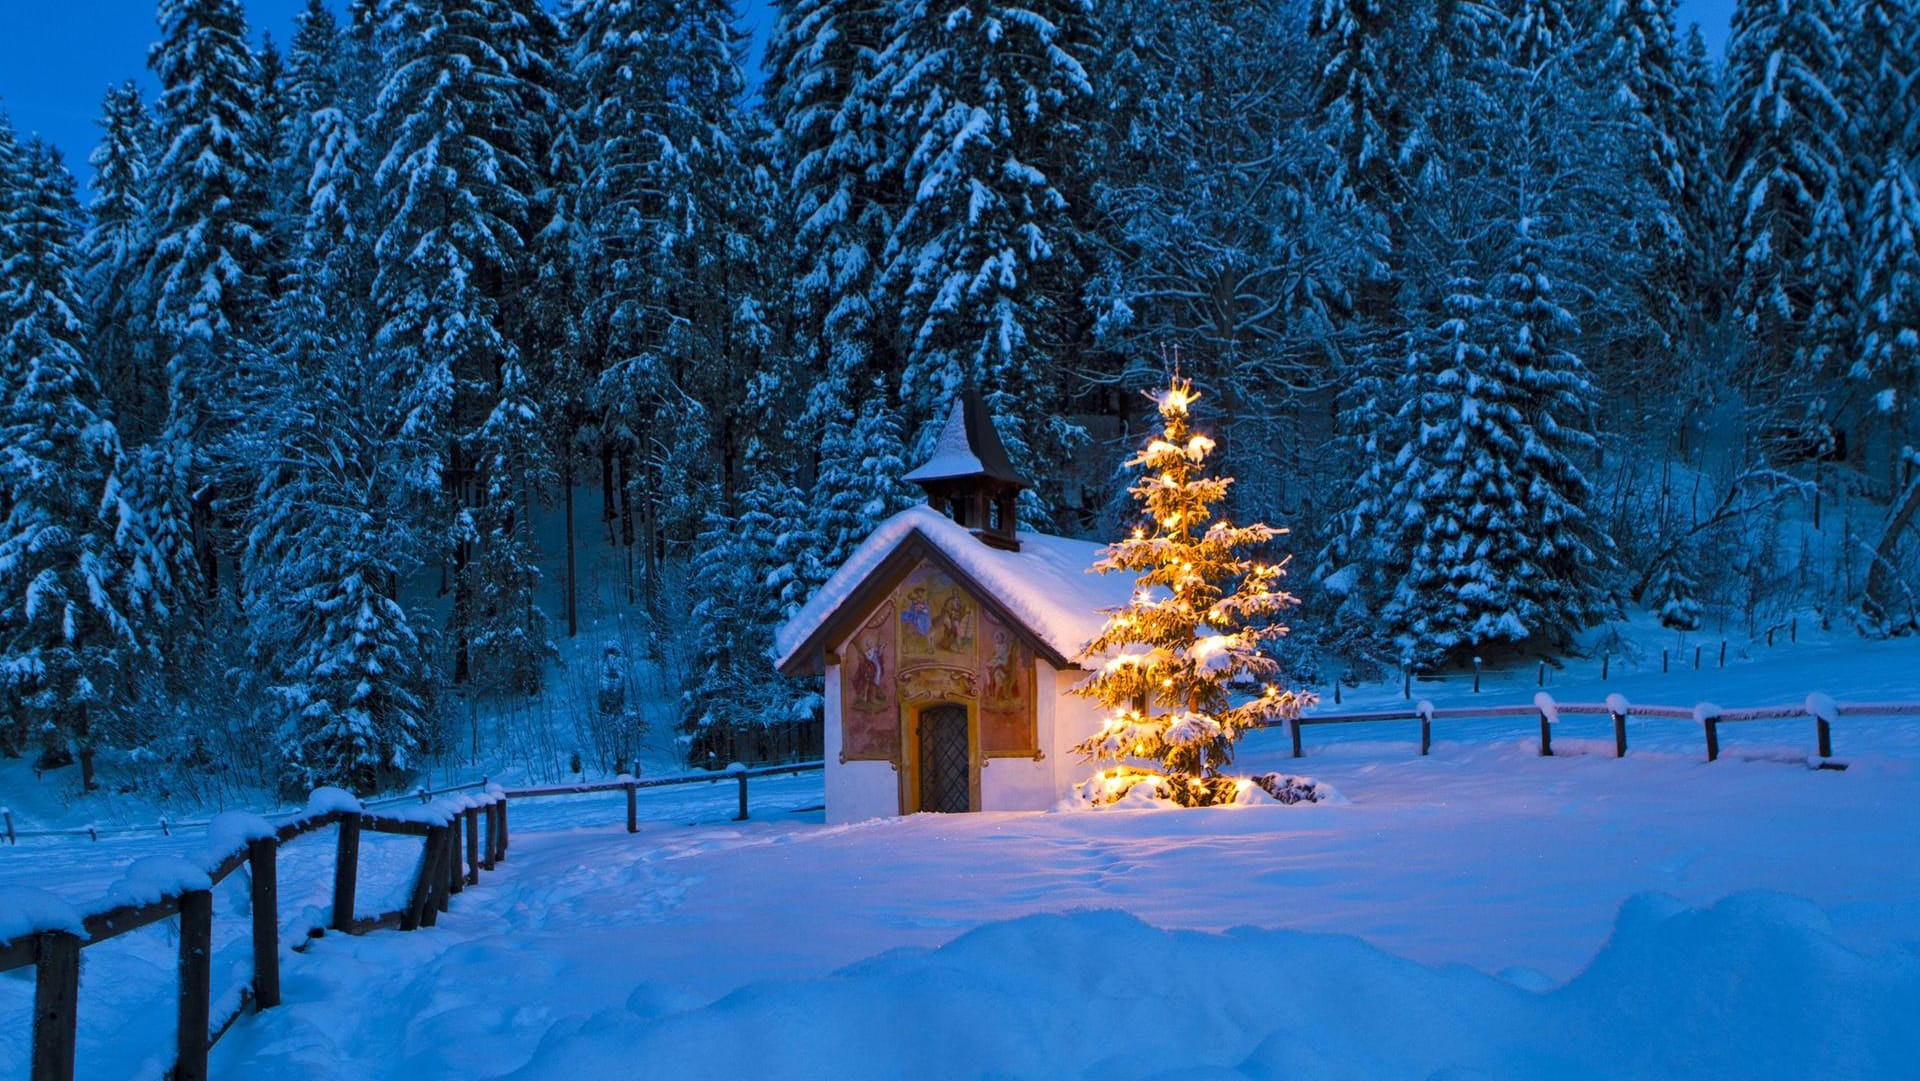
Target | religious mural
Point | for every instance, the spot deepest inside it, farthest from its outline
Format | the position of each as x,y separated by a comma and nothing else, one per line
1006,692
930,642
867,691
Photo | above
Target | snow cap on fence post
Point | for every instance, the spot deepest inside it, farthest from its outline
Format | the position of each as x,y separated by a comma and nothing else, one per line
1424,710
327,799
26,911
1706,711
1549,709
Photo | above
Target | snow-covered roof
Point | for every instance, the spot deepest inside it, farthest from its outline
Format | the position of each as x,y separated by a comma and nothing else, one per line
1047,585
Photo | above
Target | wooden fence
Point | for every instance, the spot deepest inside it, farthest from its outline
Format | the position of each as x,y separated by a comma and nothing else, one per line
1818,710
460,837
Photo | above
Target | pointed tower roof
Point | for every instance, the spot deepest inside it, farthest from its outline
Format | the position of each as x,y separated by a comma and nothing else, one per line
968,448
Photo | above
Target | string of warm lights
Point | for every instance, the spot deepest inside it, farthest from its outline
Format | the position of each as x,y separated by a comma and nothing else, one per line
1193,629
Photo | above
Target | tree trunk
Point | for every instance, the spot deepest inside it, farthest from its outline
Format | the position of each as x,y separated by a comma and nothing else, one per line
573,573
1881,579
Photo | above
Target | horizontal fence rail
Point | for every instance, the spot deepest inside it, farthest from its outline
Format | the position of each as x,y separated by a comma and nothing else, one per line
462,830
1819,709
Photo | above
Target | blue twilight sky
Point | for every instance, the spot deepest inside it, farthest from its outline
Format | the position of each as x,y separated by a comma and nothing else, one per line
58,56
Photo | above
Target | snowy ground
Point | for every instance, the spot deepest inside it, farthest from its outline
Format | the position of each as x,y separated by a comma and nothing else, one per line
1479,913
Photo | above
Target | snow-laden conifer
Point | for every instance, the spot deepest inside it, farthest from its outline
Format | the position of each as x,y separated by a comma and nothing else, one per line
77,585
1169,666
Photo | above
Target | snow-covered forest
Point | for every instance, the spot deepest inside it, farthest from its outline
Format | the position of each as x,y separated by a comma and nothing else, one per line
1522,314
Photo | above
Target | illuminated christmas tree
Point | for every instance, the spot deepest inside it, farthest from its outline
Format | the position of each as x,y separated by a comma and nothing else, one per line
1166,665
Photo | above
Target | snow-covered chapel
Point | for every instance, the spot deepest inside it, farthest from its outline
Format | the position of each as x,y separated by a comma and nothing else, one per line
947,642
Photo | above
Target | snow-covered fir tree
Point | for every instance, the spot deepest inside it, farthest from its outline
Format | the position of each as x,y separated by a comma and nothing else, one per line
1784,120
1888,366
1675,598
989,100
1210,227
116,249
77,586
206,274
1166,666
838,162
673,207
342,657
741,566
453,196
1484,534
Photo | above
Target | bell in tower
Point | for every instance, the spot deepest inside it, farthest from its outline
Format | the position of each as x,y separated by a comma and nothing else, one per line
969,478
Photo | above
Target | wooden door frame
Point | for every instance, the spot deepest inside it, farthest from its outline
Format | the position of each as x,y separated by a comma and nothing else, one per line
910,752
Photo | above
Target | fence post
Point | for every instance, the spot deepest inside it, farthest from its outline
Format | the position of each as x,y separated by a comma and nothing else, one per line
1696,657
1712,725
456,872
502,854
346,869
1793,630
263,868
422,910
11,838
1476,675
489,810
196,984
1825,731
1619,735
56,1002
1663,660
1606,661
633,809
1723,652
1406,684
742,816
1426,733
1293,732
1546,736
473,845
1541,680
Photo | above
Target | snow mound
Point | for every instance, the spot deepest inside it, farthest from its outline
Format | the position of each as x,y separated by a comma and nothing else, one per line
327,800
1750,987
25,910
152,878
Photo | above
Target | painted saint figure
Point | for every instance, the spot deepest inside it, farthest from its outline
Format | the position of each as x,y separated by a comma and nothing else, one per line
1003,685
953,631
870,673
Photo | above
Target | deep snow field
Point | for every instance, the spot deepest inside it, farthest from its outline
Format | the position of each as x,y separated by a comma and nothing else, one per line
1482,912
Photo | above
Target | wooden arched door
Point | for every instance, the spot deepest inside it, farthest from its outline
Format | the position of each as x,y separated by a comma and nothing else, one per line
945,759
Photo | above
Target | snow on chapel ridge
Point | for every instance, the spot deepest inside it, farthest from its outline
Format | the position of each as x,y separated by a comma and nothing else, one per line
947,641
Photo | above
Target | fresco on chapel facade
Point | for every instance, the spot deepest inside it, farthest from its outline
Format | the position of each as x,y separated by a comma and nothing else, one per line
930,642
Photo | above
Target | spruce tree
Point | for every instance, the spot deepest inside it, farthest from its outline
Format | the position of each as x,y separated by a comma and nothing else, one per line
76,584
1164,665
984,259
327,553
1784,120
453,194
1888,367
116,248
207,273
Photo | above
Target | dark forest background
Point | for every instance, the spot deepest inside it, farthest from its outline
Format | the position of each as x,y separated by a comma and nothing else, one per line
1523,314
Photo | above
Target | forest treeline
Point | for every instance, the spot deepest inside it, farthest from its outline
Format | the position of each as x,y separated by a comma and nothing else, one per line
1517,311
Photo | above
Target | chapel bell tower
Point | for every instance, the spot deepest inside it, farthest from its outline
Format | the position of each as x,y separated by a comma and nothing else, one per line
969,478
